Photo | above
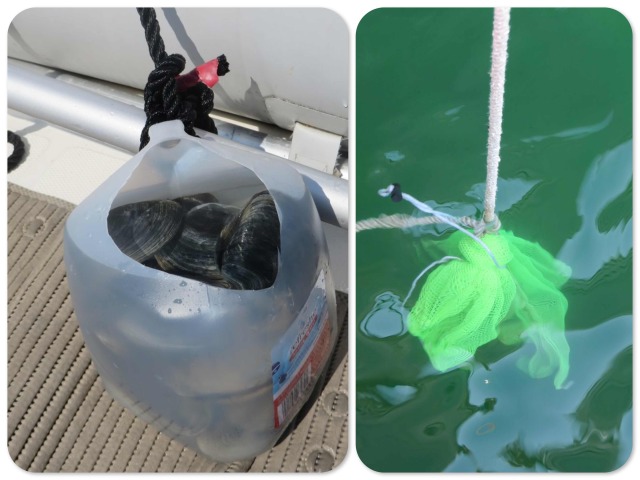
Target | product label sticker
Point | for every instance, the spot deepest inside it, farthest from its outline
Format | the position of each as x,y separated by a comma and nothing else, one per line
297,360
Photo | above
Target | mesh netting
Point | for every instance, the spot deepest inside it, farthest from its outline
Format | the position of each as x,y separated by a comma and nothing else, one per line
464,303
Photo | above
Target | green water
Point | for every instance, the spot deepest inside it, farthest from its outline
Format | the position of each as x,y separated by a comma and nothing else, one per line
422,90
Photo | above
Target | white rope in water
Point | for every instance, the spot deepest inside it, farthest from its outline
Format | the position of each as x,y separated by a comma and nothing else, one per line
442,217
496,103
400,220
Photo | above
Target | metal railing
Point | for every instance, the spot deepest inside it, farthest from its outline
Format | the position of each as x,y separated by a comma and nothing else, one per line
119,124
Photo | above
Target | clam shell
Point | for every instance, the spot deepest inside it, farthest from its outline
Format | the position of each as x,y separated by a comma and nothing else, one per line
141,229
192,252
210,218
242,278
195,253
191,201
249,244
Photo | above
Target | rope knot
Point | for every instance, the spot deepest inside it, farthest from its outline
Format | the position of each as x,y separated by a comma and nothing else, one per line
163,99
170,65
483,227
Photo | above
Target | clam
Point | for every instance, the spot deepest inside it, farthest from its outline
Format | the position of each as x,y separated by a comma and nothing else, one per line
195,251
192,201
210,218
196,237
141,229
249,244
192,252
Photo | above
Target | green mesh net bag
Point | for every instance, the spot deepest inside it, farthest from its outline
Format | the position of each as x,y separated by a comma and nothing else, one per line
466,303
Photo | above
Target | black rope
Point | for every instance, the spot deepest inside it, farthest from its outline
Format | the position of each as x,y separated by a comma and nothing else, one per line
152,34
162,101
18,150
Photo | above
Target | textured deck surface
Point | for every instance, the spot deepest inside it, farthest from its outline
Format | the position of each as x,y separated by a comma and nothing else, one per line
60,418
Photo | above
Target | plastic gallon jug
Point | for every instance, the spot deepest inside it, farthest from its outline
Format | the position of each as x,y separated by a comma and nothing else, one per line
221,370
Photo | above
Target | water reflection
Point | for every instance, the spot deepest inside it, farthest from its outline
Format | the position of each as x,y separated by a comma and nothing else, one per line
398,394
574,133
423,437
608,178
535,427
387,318
394,156
599,416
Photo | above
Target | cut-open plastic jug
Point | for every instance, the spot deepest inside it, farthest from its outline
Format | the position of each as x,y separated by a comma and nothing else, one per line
223,371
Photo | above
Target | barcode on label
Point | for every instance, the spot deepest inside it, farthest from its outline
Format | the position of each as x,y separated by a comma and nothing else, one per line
290,401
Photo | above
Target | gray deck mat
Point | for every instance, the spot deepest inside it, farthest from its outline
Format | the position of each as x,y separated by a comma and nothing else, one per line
60,418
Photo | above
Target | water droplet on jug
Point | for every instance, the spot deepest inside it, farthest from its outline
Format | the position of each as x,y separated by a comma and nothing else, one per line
169,311
178,301
183,283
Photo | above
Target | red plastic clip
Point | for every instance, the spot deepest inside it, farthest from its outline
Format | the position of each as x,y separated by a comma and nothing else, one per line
206,73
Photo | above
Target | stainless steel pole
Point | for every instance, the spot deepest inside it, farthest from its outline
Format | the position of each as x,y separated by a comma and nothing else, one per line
119,124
